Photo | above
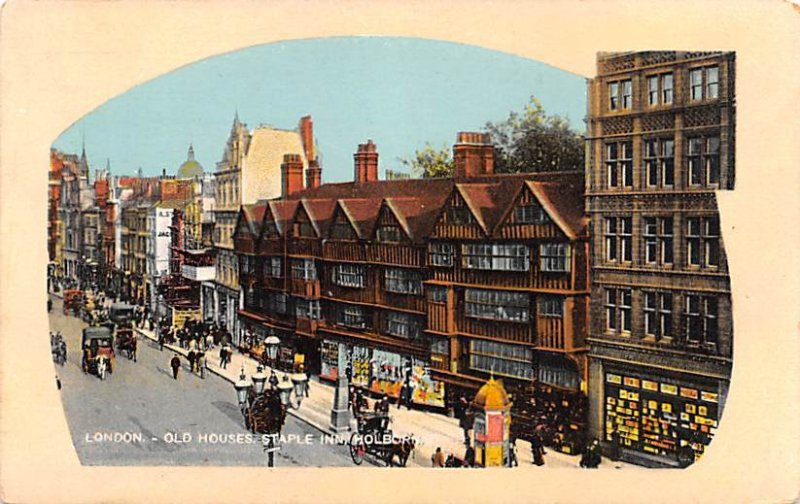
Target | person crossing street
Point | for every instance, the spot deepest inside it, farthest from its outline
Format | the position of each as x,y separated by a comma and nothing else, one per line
175,363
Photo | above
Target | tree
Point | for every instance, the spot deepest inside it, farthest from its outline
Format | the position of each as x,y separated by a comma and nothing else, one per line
532,141
431,162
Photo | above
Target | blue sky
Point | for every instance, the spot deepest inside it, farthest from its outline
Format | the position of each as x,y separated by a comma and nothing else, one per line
399,92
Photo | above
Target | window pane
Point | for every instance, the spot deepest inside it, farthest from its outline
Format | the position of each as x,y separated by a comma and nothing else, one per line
712,82
652,90
666,84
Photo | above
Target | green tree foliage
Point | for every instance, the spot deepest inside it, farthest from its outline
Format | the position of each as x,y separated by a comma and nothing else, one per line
532,141
430,162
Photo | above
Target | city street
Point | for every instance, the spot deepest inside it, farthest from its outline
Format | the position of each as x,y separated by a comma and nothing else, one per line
140,415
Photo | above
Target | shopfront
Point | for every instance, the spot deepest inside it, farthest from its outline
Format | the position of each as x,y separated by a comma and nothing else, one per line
383,372
659,416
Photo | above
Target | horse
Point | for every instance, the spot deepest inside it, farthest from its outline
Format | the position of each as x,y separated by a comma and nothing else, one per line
401,448
102,366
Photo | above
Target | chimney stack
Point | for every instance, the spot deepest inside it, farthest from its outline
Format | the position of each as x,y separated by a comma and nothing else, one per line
291,174
366,163
473,154
307,136
313,174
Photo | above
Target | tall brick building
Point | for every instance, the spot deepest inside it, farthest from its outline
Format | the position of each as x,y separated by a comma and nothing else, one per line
660,142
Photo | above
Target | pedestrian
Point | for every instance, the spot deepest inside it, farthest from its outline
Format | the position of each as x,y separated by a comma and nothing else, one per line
49,305
273,379
201,364
175,363
590,458
512,454
161,341
192,359
308,382
58,383
223,357
134,347
537,449
437,459
469,456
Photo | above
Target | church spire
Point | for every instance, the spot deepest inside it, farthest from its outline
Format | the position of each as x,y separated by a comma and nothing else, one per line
190,154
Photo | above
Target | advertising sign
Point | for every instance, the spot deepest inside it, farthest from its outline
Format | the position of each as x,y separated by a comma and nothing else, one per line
360,363
329,357
180,316
387,373
426,390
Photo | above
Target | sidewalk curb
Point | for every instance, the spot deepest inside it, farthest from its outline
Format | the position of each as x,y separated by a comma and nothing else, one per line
219,372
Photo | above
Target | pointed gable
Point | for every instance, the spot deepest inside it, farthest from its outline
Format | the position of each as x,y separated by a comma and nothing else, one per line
283,211
342,227
362,214
269,226
563,203
390,228
457,218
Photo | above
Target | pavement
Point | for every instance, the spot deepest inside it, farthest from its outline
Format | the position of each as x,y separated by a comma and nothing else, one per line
430,430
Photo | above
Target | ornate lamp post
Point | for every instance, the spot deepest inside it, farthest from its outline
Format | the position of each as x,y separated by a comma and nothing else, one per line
264,410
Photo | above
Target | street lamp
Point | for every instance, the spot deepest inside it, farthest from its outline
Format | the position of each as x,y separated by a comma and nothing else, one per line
259,379
242,391
300,381
271,344
285,390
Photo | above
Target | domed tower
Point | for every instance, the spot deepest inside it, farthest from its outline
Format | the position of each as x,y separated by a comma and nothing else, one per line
190,168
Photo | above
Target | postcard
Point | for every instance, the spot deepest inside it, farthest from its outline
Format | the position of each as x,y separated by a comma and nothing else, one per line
301,251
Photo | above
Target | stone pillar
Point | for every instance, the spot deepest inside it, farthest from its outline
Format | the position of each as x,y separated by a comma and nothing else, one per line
340,414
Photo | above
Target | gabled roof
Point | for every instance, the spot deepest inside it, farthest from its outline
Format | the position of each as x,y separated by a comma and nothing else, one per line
251,216
563,202
283,212
417,203
362,214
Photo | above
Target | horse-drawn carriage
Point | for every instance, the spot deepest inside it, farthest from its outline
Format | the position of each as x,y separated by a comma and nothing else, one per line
98,351
121,315
374,437
264,413
73,302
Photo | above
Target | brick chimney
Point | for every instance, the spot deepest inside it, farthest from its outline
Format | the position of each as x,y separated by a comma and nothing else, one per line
366,163
313,174
307,136
473,154
291,174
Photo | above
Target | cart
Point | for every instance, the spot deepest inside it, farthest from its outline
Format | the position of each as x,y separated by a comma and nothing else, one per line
98,351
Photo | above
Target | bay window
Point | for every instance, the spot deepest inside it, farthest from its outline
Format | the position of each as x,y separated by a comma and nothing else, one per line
403,281
496,305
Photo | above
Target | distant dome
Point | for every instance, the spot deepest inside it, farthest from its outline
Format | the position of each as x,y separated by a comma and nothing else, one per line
190,168
492,396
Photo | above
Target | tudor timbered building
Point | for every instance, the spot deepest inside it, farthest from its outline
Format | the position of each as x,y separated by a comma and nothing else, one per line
435,283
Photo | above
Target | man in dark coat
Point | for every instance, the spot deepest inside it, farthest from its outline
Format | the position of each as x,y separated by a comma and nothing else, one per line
175,363
192,358
591,455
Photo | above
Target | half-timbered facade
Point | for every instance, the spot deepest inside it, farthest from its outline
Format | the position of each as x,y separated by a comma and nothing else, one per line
431,283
